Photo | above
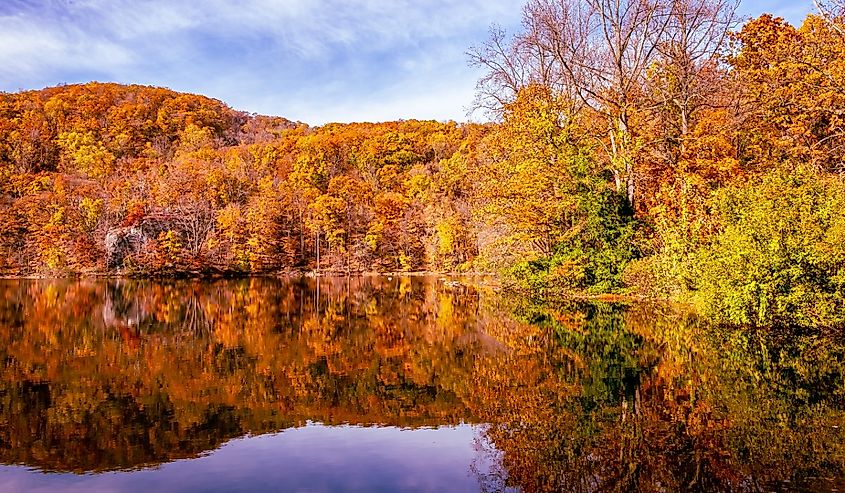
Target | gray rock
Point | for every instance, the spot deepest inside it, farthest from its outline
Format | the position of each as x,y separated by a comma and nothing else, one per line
124,242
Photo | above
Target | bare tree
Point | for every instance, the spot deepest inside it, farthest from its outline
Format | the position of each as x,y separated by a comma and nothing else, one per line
830,8
687,74
595,51
605,56
833,11
507,71
196,220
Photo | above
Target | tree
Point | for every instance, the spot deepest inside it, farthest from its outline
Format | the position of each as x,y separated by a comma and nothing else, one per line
792,85
833,11
603,57
86,154
596,52
687,78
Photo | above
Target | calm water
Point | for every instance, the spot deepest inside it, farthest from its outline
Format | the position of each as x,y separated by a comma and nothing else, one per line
403,384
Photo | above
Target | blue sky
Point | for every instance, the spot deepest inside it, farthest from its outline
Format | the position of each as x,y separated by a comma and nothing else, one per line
314,61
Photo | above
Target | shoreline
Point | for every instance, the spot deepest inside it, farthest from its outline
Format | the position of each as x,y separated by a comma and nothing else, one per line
245,275
489,280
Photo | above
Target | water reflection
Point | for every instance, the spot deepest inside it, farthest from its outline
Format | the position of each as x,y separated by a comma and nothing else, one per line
313,458
126,375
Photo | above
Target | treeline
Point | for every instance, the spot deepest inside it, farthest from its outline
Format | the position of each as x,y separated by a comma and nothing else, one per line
652,148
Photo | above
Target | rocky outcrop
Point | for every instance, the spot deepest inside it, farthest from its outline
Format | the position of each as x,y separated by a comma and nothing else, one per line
124,242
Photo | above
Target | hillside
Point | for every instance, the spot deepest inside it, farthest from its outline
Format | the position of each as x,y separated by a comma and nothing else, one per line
200,187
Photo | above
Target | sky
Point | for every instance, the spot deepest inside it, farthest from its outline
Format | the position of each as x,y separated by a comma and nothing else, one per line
314,61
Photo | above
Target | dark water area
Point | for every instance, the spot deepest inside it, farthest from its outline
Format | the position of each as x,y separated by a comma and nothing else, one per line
400,384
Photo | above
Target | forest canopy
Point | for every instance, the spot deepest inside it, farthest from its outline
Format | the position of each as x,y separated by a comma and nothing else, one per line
656,148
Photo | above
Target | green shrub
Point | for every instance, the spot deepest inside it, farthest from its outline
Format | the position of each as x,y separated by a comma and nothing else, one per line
590,259
778,257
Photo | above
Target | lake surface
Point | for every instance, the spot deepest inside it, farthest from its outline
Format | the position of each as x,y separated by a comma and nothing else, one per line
400,384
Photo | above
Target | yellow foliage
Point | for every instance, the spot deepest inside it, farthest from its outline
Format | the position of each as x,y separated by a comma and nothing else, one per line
86,153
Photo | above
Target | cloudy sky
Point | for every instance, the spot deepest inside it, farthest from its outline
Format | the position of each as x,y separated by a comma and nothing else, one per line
309,60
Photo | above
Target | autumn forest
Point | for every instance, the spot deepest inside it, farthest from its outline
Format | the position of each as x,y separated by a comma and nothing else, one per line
667,149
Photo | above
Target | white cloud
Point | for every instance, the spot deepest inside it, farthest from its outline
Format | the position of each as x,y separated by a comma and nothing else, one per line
315,61
28,50
331,60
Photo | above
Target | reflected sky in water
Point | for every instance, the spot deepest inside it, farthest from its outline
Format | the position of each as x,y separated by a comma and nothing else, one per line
314,458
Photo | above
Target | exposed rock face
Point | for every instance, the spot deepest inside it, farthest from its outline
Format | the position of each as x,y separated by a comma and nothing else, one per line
124,242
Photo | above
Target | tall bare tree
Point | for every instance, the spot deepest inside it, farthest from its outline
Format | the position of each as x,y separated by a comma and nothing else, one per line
595,51
833,11
687,75
599,53
830,8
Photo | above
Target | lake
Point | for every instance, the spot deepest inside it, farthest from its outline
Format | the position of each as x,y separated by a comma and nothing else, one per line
400,384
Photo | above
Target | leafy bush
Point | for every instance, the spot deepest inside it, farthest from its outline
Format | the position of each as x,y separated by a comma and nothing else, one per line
590,259
778,257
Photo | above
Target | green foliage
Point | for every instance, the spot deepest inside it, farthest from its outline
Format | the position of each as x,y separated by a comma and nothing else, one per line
590,258
566,229
779,255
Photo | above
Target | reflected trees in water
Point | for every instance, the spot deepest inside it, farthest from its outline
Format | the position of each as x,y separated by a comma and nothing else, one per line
114,375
